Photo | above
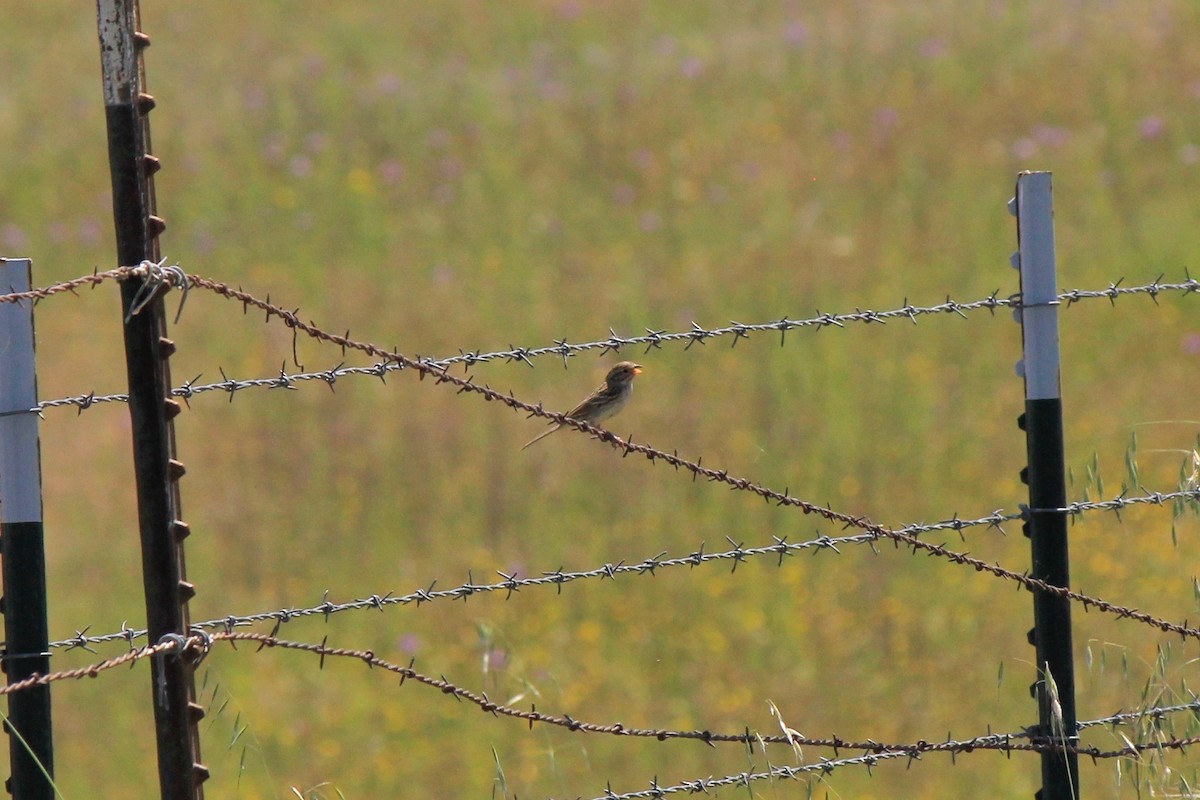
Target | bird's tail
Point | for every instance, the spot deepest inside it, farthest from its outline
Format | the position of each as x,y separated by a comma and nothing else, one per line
541,436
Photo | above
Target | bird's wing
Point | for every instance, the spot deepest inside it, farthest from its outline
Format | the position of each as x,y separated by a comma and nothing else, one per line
587,402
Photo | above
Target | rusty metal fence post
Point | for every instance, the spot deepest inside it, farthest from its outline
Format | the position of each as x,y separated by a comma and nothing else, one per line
147,350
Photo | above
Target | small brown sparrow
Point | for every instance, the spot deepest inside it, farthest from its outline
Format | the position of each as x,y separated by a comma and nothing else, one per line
606,401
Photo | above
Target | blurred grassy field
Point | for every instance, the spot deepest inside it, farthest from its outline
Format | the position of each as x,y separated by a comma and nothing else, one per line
470,175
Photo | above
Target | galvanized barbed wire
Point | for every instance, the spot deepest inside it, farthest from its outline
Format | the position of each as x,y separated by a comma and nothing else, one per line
513,583
230,386
826,766
704,785
1154,713
1121,502
653,339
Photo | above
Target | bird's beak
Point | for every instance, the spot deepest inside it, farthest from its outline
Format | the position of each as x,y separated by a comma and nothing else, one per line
637,370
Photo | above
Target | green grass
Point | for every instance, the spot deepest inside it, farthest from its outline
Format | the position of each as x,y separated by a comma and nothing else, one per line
470,175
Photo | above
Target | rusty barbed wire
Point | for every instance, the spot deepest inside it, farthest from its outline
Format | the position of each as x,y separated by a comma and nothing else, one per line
532,716
653,339
172,645
93,280
1025,740
512,583
199,644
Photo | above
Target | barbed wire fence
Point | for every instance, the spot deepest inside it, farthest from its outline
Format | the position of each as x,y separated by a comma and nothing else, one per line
652,340
1153,730
913,537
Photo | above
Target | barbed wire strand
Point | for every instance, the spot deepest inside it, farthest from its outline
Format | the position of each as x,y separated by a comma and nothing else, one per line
653,339
826,766
198,646
510,584
1155,714
1003,742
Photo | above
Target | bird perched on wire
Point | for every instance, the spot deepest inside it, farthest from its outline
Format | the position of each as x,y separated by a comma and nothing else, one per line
603,403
